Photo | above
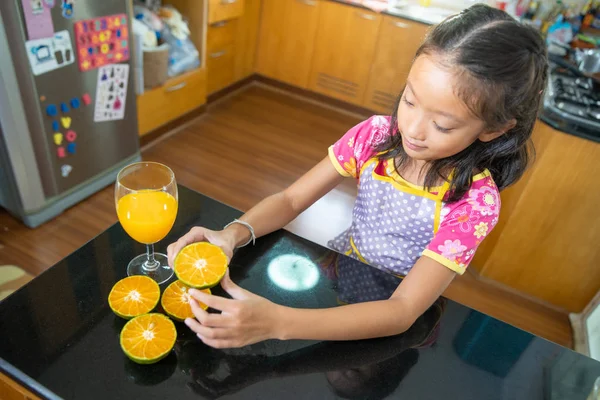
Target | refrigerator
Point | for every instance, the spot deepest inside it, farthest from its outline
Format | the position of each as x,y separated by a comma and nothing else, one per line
68,117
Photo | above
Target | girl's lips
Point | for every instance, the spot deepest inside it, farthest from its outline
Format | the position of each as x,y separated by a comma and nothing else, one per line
413,146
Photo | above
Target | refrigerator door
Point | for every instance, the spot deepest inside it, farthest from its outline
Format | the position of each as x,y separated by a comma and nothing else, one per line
59,99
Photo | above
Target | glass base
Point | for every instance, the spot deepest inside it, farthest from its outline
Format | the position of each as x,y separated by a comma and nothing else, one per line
160,271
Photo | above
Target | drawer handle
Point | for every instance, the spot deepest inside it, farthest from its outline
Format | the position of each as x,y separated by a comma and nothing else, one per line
366,16
219,24
228,1
401,25
311,3
218,54
176,87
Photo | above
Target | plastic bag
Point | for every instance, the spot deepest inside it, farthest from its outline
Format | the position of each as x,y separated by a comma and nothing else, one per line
183,55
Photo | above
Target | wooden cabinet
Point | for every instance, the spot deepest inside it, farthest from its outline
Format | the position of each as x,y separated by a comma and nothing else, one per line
397,44
220,68
545,244
344,50
177,97
220,34
10,390
246,39
287,40
220,60
231,46
221,10
183,93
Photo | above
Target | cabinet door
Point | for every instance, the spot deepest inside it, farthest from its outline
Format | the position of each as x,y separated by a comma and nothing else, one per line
287,39
344,50
221,10
220,69
246,38
547,239
220,35
397,44
178,96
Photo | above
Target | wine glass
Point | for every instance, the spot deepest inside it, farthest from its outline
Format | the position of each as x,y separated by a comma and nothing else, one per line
146,202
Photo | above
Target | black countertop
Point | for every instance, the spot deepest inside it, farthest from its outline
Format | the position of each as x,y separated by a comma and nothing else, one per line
60,339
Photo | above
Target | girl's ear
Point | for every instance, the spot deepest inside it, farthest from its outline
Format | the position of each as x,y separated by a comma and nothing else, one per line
489,136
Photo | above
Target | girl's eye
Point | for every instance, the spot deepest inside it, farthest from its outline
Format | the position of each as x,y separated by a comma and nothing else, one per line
439,128
407,102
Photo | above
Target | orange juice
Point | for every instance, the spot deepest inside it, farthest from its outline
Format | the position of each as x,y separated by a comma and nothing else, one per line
147,216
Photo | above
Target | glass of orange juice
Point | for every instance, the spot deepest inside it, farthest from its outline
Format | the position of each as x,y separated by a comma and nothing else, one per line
146,202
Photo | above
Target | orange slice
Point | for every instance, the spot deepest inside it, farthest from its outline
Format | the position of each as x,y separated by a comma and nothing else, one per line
175,301
200,265
133,296
148,338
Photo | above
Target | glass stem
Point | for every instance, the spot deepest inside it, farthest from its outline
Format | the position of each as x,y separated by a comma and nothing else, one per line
151,264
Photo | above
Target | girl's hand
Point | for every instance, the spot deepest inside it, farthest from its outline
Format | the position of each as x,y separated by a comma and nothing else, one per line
244,320
199,234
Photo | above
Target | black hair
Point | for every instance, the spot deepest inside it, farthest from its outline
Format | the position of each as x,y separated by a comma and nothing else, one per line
503,69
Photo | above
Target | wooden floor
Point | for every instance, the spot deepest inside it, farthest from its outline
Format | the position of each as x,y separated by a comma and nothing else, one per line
245,147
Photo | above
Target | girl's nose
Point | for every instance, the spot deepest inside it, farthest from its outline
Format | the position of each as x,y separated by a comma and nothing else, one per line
415,129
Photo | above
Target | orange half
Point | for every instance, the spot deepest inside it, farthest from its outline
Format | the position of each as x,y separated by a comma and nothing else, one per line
133,296
200,265
175,301
148,338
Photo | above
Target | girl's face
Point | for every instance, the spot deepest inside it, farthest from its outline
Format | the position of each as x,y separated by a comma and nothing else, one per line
433,121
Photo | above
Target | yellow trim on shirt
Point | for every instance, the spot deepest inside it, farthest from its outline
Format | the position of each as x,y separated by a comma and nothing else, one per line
438,205
444,261
437,216
404,188
366,164
481,176
336,164
360,257
391,171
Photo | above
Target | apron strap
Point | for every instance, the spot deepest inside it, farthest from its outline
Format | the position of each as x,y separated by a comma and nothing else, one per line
438,202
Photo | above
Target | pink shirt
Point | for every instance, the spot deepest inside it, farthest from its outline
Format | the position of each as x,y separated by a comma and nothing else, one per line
461,226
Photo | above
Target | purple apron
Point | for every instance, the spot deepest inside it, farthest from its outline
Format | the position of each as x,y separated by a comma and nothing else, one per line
393,221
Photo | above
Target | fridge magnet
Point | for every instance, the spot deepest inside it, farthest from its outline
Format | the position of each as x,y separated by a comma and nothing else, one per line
51,53
42,98
71,136
111,92
51,110
66,122
65,170
60,151
71,147
67,8
101,41
64,108
38,19
58,138
37,6
74,103
87,100
55,126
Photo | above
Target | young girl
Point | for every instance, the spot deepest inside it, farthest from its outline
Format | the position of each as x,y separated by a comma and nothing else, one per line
428,179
